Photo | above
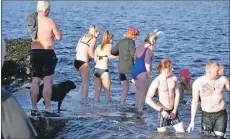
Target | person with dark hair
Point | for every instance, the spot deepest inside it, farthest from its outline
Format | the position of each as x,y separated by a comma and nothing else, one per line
169,96
125,48
101,71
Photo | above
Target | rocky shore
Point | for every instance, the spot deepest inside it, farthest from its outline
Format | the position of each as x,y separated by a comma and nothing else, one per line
16,73
15,70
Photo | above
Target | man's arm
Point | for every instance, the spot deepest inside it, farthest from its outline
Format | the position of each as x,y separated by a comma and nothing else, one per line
195,99
150,94
92,44
226,83
56,32
115,50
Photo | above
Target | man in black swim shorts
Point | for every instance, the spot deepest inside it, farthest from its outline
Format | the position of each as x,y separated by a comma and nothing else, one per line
210,88
43,58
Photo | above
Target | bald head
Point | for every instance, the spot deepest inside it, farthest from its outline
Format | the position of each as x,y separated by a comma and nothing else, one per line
212,69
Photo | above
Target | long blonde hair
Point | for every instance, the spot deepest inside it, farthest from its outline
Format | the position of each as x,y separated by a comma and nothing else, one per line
93,30
107,36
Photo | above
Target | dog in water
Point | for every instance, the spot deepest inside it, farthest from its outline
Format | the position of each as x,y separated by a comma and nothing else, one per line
59,92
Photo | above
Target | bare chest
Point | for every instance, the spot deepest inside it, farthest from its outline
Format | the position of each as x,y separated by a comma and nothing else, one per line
166,85
215,89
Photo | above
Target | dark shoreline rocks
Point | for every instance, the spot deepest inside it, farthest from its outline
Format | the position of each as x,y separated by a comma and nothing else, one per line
16,65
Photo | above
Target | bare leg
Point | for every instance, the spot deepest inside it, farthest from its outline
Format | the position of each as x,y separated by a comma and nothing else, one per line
34,91
125,85
47,92
84,73
97,82
161,129
106,84
179,127
85,80
81,87
137,94
143,88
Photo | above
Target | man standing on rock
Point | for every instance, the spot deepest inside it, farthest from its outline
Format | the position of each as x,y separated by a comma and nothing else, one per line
43,58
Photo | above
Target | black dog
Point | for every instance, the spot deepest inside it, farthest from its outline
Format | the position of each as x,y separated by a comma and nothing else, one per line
59,91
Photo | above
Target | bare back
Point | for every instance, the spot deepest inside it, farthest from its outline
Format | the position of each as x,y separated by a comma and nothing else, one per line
212,95
140,51
45,34
102,59
166,88
83,46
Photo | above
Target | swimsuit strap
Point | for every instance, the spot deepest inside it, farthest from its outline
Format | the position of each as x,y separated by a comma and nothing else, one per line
144,53
101,57
86,42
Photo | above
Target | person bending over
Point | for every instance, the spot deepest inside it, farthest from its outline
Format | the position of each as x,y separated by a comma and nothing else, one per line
84,49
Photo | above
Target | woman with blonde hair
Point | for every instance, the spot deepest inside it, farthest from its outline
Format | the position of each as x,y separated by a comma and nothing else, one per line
84,49
141,70
101,72
125,48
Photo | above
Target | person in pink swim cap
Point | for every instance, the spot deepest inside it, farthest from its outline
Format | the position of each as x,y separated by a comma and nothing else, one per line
185,82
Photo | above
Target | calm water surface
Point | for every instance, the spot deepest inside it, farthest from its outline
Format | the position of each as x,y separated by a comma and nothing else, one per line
194,33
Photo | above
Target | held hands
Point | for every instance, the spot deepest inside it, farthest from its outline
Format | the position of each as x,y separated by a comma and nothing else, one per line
190,127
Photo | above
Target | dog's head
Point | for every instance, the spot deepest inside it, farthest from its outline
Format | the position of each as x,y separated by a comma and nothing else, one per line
69,84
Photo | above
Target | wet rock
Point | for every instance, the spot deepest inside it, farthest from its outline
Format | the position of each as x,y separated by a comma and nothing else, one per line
16,65
47,126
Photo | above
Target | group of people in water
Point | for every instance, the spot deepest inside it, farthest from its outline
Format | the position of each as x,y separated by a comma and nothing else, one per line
135,63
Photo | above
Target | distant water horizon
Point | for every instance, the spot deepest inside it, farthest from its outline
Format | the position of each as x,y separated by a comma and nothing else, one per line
194,33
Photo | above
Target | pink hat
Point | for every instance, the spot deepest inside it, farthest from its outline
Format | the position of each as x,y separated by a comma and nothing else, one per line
185,73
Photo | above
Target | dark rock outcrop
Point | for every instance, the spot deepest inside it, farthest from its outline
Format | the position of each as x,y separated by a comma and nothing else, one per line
16,65
47,126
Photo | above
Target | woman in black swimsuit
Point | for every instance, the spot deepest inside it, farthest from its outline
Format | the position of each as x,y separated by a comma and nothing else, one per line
101,72
84,49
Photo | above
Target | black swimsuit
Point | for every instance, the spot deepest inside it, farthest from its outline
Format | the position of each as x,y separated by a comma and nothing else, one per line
97,71
79,63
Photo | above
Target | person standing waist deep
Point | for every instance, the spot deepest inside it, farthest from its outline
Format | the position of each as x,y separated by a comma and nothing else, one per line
125,48
43,58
